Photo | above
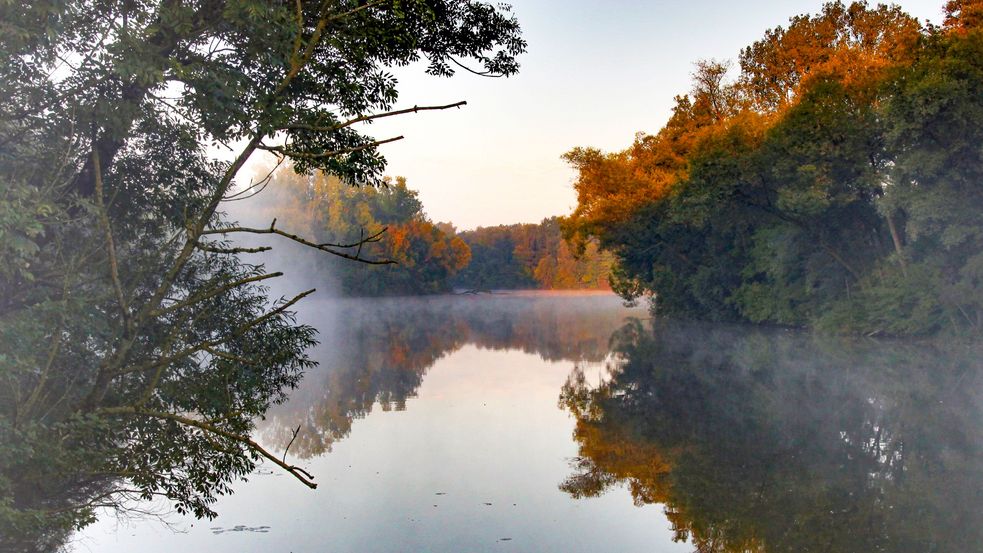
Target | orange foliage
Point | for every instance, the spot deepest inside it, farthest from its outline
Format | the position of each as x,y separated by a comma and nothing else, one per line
855,45
961,16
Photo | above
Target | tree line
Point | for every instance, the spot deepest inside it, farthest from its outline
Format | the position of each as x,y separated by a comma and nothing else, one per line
834,182
411,254
532,256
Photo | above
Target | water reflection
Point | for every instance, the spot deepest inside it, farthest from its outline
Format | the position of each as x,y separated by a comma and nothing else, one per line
376,352
770,441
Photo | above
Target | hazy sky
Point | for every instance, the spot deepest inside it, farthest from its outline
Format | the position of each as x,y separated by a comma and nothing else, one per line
595,74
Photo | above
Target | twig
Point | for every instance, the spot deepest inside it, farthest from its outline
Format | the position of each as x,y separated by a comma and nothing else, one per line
291,442
350,122
333,153
325,247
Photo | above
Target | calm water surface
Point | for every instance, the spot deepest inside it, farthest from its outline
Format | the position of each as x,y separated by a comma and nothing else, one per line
539,422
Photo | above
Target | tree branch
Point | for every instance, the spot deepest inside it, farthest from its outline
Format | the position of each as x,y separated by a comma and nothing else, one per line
110,243
201,346
350,122
209,248
284,151
325,247
230,357
299,473
202,296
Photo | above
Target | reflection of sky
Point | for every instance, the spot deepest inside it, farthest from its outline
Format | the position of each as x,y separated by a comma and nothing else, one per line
485,428
595,73
864,430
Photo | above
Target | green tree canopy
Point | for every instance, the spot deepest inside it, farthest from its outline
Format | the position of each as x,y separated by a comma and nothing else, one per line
137,347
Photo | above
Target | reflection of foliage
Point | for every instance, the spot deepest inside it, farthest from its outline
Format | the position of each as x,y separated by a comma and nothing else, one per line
382,348
776,442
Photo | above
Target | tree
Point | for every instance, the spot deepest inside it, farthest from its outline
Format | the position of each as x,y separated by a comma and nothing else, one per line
829,186
531,256
137,346
386,223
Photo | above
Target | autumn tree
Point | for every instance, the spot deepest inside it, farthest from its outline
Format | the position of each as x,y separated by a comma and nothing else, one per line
828,191
407,253
531,256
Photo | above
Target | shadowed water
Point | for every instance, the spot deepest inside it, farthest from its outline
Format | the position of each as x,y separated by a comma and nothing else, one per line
559,422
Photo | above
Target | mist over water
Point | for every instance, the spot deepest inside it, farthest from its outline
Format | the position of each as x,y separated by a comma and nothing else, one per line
302,266
534,421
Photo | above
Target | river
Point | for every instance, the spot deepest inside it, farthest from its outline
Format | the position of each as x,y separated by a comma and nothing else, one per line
568,422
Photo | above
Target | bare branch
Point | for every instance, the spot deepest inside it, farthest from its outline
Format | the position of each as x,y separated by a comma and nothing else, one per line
208,248
261,183
309,155
472,71
325,247
350,122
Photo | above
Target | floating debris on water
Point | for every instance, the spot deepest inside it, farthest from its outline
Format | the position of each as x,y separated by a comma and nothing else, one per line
240,528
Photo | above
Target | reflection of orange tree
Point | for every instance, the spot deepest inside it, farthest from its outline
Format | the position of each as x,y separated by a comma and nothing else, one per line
771,442
371,361
381,349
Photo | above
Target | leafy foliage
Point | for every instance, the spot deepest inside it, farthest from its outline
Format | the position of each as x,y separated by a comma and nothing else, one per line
531,256
424,255
832,184
137,346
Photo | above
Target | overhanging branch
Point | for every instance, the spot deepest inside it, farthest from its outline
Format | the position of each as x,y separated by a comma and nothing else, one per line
284,151
324,247
364,118
300,474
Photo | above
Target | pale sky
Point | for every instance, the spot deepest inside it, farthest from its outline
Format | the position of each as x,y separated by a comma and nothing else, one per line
595,74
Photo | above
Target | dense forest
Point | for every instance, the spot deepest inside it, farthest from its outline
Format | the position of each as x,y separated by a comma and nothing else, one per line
834,182
531,256
408,253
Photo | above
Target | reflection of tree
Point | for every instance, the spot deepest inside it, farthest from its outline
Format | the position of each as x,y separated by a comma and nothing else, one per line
766,441
377,351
